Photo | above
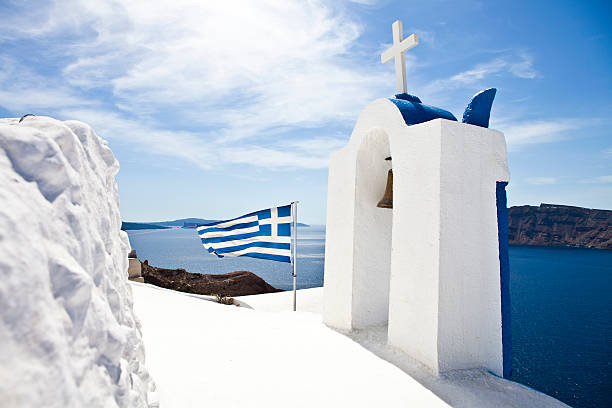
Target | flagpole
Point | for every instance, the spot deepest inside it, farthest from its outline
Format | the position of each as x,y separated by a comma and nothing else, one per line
294,257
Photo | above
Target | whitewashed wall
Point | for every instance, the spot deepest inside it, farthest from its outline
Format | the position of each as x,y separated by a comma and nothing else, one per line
68,334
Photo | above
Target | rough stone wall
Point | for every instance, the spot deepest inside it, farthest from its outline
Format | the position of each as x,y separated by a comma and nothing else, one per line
68,333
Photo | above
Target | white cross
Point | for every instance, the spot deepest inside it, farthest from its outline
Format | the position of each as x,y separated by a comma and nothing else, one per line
400,46
274,220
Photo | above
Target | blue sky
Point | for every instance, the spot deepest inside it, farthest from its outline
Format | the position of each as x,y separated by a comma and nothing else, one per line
219,108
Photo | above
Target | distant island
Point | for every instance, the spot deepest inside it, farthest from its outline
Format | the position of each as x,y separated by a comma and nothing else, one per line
140,226
560,225
182,222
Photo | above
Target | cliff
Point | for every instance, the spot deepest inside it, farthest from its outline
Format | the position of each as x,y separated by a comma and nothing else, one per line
68,333
239,283
560,225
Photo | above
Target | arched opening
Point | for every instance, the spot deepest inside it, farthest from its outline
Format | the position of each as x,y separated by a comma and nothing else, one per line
372,233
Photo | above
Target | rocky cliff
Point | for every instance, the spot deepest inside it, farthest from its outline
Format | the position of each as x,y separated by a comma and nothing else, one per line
560,225
239,283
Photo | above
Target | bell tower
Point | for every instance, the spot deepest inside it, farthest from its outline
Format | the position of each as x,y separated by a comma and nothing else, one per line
428,260
431,267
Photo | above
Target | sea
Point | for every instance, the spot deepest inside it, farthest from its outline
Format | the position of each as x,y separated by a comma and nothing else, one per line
561,302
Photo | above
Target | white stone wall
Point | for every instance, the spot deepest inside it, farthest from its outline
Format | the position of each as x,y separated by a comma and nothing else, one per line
68,334
438,262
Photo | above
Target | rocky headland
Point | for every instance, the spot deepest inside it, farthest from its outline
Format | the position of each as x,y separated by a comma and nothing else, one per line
238,283
560,225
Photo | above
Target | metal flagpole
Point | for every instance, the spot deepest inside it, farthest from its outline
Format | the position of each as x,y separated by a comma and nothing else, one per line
294,257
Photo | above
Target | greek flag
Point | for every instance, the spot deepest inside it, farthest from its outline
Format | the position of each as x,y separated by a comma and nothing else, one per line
264,234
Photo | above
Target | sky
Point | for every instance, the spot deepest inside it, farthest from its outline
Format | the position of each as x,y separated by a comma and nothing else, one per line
219,108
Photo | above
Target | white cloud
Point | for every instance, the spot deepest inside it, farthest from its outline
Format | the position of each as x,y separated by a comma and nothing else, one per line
22,90
323,145
479,72
519,65
601,179
524,67
22,99
190,146
539,181
238,69
425,36
364,2
544,131
245,73
274,63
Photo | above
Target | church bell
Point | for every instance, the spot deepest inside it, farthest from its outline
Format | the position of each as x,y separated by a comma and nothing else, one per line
387,200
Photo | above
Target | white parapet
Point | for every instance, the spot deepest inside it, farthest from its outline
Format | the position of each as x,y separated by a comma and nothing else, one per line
429,268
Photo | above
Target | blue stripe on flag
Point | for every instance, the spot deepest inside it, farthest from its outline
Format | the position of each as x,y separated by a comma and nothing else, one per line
264,214
259,244
279,258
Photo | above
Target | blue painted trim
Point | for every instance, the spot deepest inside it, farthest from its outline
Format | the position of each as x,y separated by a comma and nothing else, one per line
504,275
478,110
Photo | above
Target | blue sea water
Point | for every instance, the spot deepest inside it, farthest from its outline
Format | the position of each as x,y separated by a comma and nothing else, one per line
561,304
561,301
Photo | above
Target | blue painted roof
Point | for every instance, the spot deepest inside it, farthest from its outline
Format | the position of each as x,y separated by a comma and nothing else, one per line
413,111
477,112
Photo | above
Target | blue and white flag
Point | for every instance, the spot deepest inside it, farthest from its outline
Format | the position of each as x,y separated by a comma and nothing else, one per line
262,234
